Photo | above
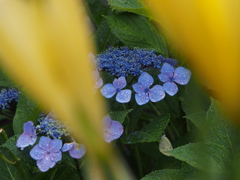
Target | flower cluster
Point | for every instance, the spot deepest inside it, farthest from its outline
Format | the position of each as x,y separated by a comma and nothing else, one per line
49,151
7,95
121,62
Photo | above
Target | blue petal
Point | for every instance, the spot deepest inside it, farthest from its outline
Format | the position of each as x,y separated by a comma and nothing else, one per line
56,156
55,145
166,72
171,61
170,88
120,82
108,90
141,98
156,93
145,79
138,87
67,147
44,143
37,153
124,96
45,163
29,128
182,75
25,140
107,122
77,151
113,132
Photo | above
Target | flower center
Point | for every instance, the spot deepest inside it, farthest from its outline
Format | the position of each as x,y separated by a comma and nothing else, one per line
48,152
146,90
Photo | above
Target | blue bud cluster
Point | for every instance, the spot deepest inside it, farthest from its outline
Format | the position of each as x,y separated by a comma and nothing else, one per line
124,61
7,95
52,128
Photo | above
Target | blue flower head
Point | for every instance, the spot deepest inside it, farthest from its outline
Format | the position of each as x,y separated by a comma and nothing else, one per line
143,91
75,150
7,96
28,137
112,129
169,76
52,127
47,153
109,90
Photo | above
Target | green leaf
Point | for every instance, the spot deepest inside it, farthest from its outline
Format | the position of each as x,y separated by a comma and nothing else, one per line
133,6
137,31
204,156
27,110
119,115
166,174
150,133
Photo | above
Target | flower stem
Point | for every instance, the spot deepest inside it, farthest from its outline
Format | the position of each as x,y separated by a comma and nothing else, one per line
139,162
77,167
7,160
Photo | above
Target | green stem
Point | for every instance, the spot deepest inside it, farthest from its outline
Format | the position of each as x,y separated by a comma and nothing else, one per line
139,162
3,135
155,108
7,160
174,128
77,167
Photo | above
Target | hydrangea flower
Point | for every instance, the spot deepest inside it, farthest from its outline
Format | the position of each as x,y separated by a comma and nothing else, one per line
109,90
75,150
144,93
169,76
28,137
99,81
52,127
7,96
112,129
47,153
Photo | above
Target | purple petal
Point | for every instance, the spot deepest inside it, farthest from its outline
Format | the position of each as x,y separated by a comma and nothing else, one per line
108,90
37,153
67,147
156,93
166,72
171,61
141,98
52,164
107,122
120,82
77,151
25,140
29,128
124,96
113,132
45,163
170,88
96,74
182,75
146,80
44,142
56,156
138,87
99,83
55,145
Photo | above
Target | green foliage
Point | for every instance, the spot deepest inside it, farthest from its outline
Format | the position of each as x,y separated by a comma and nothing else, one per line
119,115
166,174
137,31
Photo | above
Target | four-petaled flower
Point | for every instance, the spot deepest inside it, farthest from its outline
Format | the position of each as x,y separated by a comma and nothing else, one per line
75,150
109,90
144,93
47,153
112,129
28,137
168,75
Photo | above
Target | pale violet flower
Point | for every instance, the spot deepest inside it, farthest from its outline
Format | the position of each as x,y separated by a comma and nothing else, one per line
28,137
143,91
112,129
169,76
98,79
109,90
75,150
47,153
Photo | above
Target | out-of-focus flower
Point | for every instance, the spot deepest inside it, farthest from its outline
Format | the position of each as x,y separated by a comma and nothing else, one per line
47,153
112,129
144,93
109,90
75,150
7,96
28,137
168,75
99,81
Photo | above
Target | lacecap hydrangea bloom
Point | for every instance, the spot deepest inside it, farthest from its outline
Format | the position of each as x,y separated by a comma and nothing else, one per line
112,129
170,76
28,137
7,95
75,150
47,153
143,91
